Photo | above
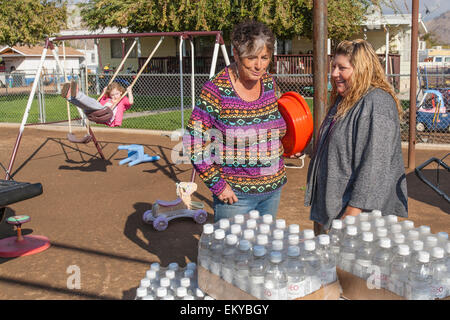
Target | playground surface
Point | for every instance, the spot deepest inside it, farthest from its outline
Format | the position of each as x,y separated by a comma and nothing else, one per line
91,211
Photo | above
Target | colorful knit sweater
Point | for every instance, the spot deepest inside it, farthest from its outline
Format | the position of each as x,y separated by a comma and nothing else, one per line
237,142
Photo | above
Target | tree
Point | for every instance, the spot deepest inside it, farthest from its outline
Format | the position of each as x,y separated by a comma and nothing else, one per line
30,21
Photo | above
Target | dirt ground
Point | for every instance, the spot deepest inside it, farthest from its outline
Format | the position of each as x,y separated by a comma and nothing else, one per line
91,211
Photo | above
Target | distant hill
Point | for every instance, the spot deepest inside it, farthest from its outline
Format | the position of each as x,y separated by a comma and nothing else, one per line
439,27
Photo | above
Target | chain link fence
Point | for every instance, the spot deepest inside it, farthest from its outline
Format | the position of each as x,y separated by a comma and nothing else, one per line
157,102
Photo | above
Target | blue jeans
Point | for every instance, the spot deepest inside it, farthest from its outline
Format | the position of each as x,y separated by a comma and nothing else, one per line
265,204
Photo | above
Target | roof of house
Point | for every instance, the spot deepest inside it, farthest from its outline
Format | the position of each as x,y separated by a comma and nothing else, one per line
36,51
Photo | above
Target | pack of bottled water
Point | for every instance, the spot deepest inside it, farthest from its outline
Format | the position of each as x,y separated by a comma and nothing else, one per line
171,283
266,258
406,260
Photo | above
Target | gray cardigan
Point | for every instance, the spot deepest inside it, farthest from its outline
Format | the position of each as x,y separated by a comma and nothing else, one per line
360,163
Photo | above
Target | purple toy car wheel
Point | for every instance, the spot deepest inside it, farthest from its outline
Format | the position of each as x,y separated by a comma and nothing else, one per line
160,223
200,216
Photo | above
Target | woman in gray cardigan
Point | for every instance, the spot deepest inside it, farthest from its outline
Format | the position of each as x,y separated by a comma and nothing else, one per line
357,163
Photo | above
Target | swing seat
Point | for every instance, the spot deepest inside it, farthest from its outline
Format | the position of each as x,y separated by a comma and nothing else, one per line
100,116
72,138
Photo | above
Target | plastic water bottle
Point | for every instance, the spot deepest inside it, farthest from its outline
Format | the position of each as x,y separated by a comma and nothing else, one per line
416,247
395,228
364,226
397,239
419,278
251,224
362,217
380,233
249,234
429,243
254,214
363,256
224,224
161,292
312,262
157,267
141,292
165,283
181,293
206,239
390,219
296,272
381,262
399,270
375,214
275,279
336,236
149,297
349,221
278,234
293,240
308,234
263,240
216,251
236,229
424,232
294,229
348,249
174,282
407,225
378,223
186,283
267,219
442,239
411,236
440,274
327,260
280,224
277,245
241,265
257,269
153,277
239,219
264,229
228,253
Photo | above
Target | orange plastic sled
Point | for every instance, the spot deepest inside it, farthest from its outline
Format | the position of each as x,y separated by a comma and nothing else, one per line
299,122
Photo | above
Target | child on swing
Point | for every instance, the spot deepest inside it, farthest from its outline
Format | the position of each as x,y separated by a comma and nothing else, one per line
112,109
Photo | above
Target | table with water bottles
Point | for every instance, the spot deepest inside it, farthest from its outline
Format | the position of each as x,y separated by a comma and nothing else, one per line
263,258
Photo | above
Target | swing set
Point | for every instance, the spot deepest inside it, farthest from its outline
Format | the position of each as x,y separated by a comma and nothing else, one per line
106,113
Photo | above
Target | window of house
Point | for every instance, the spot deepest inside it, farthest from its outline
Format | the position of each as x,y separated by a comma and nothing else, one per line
116,48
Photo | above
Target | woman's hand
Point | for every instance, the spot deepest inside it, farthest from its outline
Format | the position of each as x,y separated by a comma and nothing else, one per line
227,196
351,211
297,155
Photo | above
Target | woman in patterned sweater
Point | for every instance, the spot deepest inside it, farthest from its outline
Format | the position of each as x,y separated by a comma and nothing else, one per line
235,129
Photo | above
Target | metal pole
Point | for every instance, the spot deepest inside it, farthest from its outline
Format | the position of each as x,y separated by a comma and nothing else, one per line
181,83
413,85
320,58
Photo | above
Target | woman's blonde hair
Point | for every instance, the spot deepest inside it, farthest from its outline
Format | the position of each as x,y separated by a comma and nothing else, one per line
367,72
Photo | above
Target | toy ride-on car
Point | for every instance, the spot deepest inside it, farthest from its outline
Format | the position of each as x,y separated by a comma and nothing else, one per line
433,112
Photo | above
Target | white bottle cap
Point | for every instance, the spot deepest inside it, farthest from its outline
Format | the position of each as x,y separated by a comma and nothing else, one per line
148,297
188,297
396,228
293,251
403,249
161,292
363,216
407,224
231,239
277,245
324,239
199,293
224,223
155,266
391,219
437,252
280,224
248,234
308,234
367,236
251,223
236,228
259,251
431,241
381,232
208,228
379,222
253,214
417,245
310,245
244,245
352,230
293,239
145,283
174,266
385,242
365,226
239,218
267,218
185,282
348,220
208,298
164,282
423,257
150,274
294,228
442,236
181,292
399,238
336,224
191,266
413,235
262,239
141,292
424,230
275,256
219,234
376,213
168,297
189,273
264,228
278,234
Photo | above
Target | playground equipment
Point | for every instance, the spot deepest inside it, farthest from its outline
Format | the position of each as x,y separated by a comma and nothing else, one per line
183,207
435,188
136,155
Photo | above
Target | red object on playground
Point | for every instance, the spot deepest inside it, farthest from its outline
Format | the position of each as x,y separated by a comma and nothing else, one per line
299,122
19,245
